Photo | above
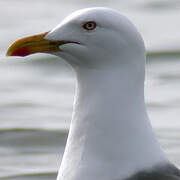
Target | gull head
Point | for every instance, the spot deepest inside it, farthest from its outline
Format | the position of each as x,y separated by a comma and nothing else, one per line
92,37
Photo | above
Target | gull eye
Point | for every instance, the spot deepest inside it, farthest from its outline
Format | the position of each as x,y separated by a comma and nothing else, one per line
90,25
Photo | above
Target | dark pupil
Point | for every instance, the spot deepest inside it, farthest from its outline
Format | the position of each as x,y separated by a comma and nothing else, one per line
89,25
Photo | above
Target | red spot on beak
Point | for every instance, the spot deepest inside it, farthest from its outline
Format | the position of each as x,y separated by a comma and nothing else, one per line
21,52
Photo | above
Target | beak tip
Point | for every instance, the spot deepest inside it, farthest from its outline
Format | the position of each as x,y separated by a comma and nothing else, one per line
18,52
8,53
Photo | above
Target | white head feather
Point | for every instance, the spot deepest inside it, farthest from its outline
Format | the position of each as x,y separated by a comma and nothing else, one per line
110,135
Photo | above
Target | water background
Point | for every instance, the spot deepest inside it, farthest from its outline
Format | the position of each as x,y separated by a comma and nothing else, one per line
36,92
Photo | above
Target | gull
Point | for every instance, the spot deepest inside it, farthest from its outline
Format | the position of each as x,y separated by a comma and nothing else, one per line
110,136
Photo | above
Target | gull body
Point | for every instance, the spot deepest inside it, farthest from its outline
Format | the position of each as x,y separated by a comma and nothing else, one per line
110,136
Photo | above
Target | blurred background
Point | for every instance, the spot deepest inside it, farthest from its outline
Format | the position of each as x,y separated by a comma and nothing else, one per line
36,92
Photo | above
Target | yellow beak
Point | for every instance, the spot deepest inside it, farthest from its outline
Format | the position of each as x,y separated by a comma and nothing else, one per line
34,44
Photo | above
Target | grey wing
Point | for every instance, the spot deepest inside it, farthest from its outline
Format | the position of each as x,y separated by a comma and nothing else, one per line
161,172
157,177
169,178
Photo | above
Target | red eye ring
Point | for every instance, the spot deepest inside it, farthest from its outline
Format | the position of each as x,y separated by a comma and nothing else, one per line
90,25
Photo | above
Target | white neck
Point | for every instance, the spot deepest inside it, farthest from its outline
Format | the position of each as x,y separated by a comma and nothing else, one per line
110,135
